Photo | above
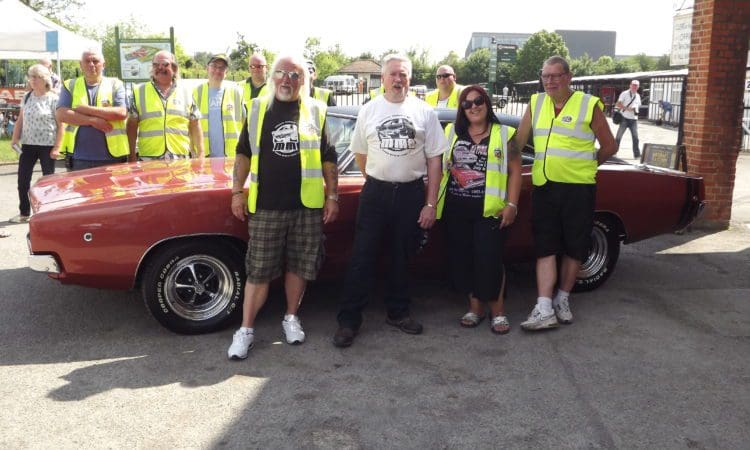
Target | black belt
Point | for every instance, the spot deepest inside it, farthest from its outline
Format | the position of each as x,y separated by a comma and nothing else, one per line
393,184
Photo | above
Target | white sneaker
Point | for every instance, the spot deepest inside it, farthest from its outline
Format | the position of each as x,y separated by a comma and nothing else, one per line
241,343
293,329
539,321
562,311
19,219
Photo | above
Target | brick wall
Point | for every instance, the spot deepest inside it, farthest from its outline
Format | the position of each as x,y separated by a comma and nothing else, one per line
713,104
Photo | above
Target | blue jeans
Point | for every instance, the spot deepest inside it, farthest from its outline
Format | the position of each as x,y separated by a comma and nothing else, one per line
631,124
391,210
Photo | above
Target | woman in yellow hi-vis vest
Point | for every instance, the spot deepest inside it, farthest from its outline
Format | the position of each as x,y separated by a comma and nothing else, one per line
478,200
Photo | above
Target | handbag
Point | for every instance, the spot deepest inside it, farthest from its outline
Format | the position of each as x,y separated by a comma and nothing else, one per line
617,115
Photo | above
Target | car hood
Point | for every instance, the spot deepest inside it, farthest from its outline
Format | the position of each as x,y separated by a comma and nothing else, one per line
122,181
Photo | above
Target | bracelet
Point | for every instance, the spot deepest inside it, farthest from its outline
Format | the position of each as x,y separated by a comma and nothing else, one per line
512,205
334,197
430,205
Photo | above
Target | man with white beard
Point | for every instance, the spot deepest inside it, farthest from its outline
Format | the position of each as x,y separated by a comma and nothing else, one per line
284,149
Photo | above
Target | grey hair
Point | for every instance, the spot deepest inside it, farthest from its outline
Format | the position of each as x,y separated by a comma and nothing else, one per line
92,51
557,59
301,64
173,61
39,71
396,57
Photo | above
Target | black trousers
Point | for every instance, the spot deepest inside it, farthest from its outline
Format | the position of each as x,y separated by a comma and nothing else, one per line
26,161
388,210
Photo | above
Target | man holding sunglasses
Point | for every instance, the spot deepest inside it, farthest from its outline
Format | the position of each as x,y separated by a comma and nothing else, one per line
446,95
164,115
397,140
565,124
255,85
292,193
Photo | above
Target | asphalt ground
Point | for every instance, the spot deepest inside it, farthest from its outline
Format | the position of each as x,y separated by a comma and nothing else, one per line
656,358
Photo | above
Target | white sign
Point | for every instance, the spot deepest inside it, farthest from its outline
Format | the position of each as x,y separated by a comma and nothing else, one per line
135,59
682,27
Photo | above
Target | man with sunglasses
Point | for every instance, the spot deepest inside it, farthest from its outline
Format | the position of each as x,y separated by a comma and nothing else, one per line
324,95
293,173
164,116
446,95
222,109
565,125
397,140
255,85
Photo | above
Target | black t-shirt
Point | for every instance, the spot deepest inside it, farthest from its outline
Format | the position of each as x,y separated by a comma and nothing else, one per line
254,91
279,176
466,186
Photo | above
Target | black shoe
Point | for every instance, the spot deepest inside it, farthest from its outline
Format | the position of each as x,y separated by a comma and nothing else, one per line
344,337
405,324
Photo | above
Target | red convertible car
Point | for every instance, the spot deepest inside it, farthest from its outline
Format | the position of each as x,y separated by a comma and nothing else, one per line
166,227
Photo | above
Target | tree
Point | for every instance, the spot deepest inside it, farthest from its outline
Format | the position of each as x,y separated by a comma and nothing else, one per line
604,65
583,66
422,70
475,68
330,61
240,55
59,11
540,46
365,55
663,63
312,47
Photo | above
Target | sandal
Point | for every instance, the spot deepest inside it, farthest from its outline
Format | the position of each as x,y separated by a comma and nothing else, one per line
500,325
471,320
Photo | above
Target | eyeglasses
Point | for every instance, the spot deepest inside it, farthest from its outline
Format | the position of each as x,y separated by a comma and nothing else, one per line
467,104
257,66
443,75
279,74
553,76
161,64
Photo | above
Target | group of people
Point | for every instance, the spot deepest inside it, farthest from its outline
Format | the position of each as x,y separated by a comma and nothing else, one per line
91,123
473,183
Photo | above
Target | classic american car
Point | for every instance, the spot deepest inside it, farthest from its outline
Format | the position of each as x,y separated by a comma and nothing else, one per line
165,227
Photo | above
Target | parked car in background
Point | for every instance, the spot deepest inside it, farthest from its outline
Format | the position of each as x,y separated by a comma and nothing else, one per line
420,90
165,227
341,84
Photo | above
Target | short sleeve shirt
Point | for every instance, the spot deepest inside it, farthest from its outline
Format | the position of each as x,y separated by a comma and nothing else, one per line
39,125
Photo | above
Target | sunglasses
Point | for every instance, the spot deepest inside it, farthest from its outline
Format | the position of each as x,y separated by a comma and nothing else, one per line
467,104
443,75
257,66
279,74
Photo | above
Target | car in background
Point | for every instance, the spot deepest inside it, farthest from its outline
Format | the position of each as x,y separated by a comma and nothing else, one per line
165,227
420,90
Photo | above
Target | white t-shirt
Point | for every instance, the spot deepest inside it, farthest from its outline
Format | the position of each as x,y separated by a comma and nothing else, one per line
398,138
625,98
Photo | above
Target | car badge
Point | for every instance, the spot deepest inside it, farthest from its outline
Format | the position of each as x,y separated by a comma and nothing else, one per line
567,119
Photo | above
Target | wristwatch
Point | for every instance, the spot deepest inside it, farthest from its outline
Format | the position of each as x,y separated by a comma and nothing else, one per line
334,197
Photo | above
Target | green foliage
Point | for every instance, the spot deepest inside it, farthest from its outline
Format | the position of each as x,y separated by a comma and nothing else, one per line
604,65
327,62
662,63
540,46
6,153
61,12
422,70
475,68
312,48
583,66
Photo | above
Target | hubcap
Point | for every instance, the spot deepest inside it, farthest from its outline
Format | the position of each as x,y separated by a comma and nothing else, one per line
597,257
198,287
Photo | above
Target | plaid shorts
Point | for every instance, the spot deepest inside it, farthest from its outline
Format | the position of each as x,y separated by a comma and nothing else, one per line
294,237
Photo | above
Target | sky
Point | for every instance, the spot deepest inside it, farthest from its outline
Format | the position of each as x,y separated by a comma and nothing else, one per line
642,26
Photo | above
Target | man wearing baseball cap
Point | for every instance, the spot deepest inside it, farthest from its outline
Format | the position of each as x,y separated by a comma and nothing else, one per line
222,111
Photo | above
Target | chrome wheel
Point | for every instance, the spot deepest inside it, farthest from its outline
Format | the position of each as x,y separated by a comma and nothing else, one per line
597,258
198,287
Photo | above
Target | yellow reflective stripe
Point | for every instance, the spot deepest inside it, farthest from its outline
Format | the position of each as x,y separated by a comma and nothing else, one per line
116,132
151,133
231,136
176,131
253,177
538,109
252,128
177,112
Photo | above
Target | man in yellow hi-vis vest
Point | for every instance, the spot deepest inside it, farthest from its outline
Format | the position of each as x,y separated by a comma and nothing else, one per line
94,109
222,109
284,150
255,85
446,95
164,119
324,95
565,125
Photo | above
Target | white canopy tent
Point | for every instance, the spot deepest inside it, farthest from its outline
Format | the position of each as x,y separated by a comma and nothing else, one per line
26,34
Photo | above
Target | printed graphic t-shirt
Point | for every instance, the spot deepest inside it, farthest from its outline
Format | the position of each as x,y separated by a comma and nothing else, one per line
468,170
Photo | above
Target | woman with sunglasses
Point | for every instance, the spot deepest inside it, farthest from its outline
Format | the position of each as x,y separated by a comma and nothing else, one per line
478,200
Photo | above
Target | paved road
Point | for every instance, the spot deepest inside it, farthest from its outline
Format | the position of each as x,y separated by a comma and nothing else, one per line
657,358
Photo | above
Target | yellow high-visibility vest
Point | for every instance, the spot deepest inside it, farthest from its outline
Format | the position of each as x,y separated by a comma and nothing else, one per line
312,115
321,94
232,110
247,92
564,148
433,96
117,139
496,175
162,128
